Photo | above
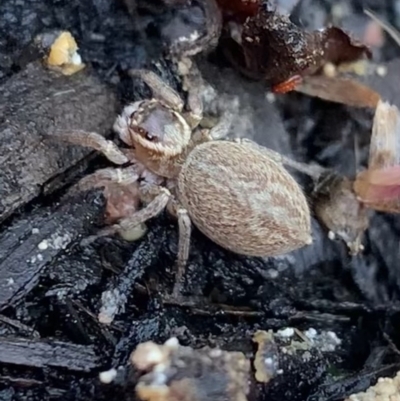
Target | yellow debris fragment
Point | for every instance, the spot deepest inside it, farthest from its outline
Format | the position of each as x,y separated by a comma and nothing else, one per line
64,56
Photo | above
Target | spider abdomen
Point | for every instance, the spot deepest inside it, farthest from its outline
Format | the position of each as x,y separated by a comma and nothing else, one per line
243,200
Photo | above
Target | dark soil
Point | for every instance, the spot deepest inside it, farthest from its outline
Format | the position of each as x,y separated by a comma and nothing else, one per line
52,346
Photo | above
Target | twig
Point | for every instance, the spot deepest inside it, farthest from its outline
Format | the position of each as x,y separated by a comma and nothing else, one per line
195,302
388,28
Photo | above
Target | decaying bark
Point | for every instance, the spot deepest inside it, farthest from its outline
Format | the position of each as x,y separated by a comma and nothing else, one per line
36,102
32,243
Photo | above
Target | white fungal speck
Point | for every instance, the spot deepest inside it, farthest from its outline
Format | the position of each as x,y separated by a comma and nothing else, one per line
270,97
108,376
381,70
76,59
272,273
154,357
216,353
310,333
332,335
10,282
35,231
172,342
60,241
43,245
268,361
159,379
160,368
288,332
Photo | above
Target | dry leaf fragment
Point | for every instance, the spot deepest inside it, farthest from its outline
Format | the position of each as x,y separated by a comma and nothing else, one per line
379,186
196,27
266,361
337,207
335,204
340,47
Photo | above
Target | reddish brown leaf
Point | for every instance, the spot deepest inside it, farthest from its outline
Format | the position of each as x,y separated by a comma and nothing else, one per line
239,10
278,50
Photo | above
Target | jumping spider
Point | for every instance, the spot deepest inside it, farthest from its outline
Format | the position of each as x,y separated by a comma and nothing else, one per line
236,193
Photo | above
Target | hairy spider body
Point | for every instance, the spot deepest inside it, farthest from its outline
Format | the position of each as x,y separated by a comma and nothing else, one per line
234,195
237,193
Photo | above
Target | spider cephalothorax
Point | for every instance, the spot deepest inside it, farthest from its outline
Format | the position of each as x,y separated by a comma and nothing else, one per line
159,135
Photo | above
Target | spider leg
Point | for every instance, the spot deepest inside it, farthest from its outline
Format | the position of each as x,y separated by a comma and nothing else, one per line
194,85
160,89
185,231
95,141
314,171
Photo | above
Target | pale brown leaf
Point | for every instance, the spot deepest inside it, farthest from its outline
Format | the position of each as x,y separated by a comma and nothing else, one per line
379,186
340,90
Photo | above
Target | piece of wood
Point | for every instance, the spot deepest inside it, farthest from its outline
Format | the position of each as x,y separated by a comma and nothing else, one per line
36,102
42,354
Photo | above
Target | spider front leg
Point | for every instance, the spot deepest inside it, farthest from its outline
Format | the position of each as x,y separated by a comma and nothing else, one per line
193,84
110,175
121,190
160,90
129,223
94,141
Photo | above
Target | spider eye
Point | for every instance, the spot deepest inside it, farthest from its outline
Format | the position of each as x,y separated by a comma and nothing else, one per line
144,133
